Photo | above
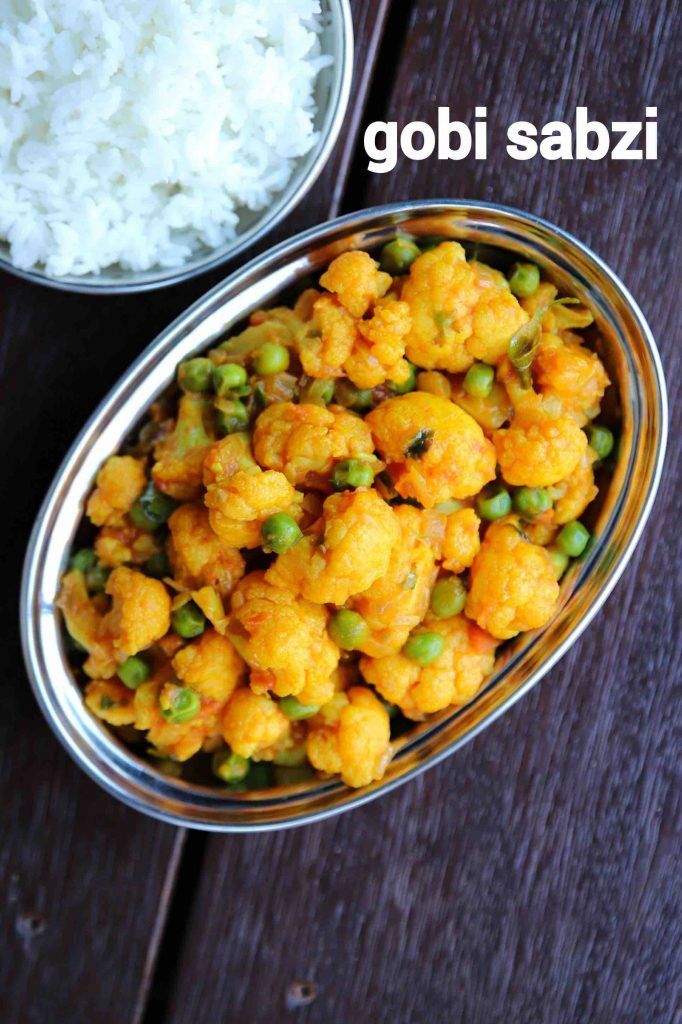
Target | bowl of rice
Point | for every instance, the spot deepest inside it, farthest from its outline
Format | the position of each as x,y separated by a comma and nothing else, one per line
141,145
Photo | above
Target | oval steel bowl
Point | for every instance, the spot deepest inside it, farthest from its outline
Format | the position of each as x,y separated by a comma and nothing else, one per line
634,366
332,94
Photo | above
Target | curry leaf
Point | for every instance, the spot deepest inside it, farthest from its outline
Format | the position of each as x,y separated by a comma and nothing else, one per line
419,445
523,345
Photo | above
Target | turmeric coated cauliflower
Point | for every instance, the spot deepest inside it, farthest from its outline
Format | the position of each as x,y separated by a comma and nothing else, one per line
358,531
572,373
198,556
351,737
397,602
210,665
120,482
574,494
459,314
282,637
116,545
111,701
180,455
461,542
434,450
240,496
542,446
84,623
305,441
512,583
140,612
179,741
357,282
453,678
252,721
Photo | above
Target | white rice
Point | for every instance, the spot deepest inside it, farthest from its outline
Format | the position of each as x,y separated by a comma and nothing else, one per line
133,132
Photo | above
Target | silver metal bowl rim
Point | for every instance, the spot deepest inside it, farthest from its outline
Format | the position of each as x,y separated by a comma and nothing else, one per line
283,204
357,220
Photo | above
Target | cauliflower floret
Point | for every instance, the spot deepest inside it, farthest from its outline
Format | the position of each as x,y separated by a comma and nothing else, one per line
111,701
542,446
177,740
355,278
512,584
305,441
497,316
180,456
140,612
460,311
198,556
353,550
210,665
434,449
115,545
120,482
397,601
282,637
240,496
84,622
379,348
571,372
351,737
461,542
574,494
453,678
329,341
252,721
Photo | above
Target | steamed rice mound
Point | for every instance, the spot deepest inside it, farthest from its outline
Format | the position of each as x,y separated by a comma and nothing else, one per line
134,134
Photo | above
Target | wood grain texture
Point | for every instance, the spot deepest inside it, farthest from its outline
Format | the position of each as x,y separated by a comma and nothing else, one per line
533,877
85,882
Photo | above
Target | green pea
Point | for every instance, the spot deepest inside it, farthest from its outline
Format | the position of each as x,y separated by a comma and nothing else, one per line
293,709
350,473
83,560
398,256
407,385
158,566
271,358
573,538
231,418
134,671
524,279
230,767
424,647
601,440
185,705
350,397
479,380
188,620
96,579
280,532
228,377
559,561
494,504
318,392
532,501
152,509
348,629
196,374
448,597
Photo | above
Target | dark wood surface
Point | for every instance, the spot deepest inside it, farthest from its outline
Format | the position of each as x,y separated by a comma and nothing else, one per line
534,877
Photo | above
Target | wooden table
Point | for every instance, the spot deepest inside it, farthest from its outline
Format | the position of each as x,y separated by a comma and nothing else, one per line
534,876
